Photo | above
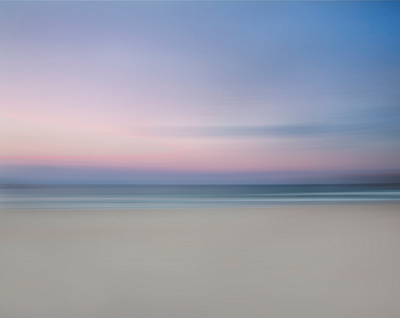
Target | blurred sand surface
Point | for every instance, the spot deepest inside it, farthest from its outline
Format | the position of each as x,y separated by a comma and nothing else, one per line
304,262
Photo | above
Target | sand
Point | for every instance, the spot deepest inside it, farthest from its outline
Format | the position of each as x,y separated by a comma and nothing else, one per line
318,261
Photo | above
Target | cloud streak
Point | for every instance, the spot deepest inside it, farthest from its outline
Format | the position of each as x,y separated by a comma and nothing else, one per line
297,130
380,122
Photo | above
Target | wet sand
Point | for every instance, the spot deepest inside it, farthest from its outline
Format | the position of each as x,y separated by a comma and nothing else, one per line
310,261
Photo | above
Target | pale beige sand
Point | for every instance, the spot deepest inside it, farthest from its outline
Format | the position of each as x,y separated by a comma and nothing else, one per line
319,261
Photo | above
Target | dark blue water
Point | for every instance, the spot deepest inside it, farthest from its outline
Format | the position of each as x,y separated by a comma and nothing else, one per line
188,196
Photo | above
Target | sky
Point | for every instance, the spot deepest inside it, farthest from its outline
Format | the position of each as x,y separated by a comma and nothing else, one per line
199,92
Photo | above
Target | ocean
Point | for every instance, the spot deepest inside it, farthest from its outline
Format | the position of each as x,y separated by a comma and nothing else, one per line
188,196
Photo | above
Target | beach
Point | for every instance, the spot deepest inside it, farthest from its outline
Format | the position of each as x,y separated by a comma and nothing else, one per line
290,261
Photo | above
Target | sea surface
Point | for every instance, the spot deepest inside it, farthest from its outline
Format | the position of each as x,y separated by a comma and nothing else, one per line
188,196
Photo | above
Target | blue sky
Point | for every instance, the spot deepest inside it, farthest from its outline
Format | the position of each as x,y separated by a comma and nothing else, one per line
185,90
